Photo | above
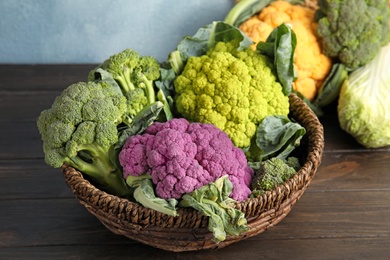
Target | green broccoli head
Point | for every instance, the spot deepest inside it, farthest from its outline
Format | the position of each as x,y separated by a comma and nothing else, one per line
132,73
353,31
274,172
234,90
80,129
136,101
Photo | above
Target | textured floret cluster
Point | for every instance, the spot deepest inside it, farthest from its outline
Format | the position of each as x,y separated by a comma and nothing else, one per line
311,64
353,31
234,90
182,157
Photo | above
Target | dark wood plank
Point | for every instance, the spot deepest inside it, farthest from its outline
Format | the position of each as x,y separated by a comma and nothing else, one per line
32,179
338,248
92,251
24,106
50,222
42,77
367,170
338,221
20,140
343,214
341,248
359,214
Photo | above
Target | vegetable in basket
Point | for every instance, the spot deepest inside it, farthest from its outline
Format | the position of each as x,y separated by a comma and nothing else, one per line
364,102
353,31
193,163
233,90
135,75
87,123
273,172
81,129
276,136
228,84
182,156
213,200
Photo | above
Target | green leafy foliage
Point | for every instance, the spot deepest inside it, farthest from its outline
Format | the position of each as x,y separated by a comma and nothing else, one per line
280,46
330,89
204,39
277,136
145,195
213,200
141,121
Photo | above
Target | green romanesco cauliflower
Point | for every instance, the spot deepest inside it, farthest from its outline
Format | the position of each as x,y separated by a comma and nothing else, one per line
232,89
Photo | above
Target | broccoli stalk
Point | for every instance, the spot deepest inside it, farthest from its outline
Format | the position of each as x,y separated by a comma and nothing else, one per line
129,80
96,162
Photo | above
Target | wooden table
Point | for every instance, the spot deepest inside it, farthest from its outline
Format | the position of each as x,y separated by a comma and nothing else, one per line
344,214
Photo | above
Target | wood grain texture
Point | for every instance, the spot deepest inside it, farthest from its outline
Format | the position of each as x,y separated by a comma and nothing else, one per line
344,214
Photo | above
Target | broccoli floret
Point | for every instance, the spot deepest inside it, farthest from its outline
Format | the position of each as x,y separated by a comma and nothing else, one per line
353,31
274,172
294,163
81,129
135,76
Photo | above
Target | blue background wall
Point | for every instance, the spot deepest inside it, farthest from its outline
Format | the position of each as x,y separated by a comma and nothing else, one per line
89,31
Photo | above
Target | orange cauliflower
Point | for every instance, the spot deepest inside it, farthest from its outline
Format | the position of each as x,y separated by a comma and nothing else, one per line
311,64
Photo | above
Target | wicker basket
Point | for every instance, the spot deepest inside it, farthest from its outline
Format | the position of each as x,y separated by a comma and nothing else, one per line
189,231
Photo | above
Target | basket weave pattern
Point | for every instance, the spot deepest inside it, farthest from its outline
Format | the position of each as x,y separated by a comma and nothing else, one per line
189,231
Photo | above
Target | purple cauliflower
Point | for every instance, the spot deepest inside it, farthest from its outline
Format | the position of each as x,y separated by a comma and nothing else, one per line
182,157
